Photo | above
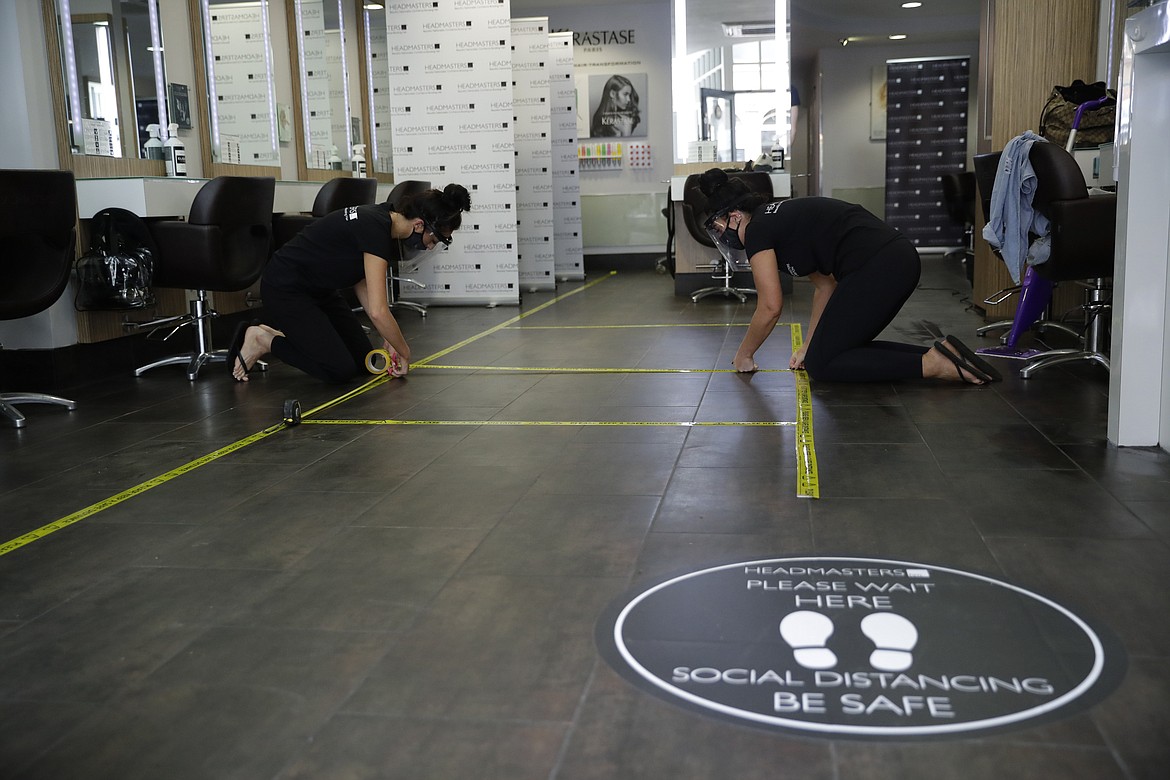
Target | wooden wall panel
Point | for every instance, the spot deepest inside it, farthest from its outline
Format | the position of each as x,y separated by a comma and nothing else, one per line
1038,44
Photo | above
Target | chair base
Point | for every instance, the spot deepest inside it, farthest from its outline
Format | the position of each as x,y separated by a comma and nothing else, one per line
421,308
1097,307
395,302
13,415
739,292
1056,357
723,274
201,316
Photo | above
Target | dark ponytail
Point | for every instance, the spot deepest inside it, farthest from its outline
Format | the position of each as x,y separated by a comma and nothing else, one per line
442,208
725,193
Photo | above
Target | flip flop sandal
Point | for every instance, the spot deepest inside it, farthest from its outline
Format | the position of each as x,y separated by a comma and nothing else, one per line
974,359
233,353
962,365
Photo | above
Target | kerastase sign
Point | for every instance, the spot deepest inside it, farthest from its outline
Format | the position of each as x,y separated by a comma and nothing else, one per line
859,647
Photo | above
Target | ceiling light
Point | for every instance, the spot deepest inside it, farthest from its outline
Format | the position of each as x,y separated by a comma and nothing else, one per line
844,41
911,5
898,37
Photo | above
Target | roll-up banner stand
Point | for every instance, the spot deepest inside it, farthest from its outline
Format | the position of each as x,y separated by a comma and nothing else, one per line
534,187
451,121
244,100
926,138
569,263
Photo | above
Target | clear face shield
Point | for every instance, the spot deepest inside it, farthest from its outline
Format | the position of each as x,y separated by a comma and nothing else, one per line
726,239
415,247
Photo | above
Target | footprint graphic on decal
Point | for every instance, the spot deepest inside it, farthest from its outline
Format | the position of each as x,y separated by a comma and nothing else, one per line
807,633
893,637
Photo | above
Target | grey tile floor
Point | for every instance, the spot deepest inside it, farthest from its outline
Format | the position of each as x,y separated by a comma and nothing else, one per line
222,597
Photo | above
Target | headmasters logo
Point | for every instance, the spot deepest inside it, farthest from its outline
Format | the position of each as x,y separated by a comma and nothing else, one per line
481,44
417,89
481,86
446,25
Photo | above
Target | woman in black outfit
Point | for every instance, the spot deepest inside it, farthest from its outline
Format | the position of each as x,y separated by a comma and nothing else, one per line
308,322
862,271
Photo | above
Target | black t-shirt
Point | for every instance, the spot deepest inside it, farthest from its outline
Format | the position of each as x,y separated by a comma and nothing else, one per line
328,255
817,235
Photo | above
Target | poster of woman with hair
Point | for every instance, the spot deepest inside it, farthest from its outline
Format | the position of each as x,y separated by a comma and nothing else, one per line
618,103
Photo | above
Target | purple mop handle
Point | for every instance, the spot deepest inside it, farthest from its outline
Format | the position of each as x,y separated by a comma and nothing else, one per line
1083,107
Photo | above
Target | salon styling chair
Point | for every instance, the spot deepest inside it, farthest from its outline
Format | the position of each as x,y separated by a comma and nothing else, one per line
958,191
334,194
394,283
38,218
1083,230
1034,290
221,247
694,212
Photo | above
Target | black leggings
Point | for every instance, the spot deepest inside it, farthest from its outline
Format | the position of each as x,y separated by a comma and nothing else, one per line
842,349
322,336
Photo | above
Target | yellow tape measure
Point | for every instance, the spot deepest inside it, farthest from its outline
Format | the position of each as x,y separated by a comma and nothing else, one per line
807,483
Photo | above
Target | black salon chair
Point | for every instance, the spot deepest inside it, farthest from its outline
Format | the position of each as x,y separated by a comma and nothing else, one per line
394,284
1083,230
334,194
958,191
221,247
695,214
38,218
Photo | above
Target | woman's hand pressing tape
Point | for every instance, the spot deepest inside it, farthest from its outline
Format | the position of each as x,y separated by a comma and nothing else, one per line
388,361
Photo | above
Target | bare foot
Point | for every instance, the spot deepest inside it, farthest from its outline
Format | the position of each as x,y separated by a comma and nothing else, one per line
257,344
936,365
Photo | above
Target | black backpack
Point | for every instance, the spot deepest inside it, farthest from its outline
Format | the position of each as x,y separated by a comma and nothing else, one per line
117,271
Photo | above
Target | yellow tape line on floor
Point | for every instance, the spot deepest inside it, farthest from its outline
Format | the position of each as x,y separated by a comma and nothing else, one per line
93,509
807,482
566,423
104,504
568,370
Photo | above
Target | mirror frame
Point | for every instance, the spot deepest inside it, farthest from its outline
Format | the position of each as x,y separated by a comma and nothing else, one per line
304,172
199,107
84,166
367,109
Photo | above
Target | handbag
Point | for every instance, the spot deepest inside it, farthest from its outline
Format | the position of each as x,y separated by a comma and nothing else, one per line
1059,113
117,270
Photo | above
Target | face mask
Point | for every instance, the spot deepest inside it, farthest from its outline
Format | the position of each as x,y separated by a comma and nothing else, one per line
730,238
414,243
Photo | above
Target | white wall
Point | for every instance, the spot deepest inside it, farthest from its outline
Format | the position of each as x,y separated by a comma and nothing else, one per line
622,207
849,159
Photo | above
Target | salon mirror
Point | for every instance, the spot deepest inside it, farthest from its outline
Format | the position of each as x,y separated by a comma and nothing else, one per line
234,76
376,89
731,80
112,79
318,28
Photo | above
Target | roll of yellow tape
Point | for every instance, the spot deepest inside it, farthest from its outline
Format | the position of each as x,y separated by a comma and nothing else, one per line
377,361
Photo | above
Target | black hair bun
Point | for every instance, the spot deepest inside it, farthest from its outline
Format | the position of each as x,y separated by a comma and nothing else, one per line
711,180
456,197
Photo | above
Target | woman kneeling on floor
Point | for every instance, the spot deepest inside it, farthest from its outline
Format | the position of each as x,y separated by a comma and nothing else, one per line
308,322
862,271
